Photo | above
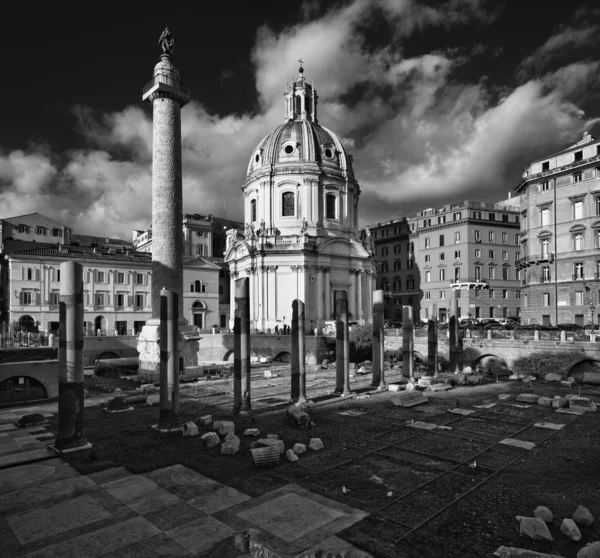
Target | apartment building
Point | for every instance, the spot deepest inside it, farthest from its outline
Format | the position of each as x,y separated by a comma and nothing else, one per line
466,250
117,280
560,236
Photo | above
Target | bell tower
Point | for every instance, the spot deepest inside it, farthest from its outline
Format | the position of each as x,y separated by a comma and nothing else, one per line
300,99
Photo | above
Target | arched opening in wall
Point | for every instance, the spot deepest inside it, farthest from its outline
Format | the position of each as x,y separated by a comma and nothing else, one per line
99,324
488,363
22,388
586,370
331,206
199,314
26,323
228,356
283,356
253,211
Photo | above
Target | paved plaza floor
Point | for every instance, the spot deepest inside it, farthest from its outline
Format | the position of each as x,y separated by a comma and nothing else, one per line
47,508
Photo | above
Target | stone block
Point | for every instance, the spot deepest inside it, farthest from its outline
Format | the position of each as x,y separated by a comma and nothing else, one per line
291,455
204,420
534,528
545,401
583,516
148,388
265,456
582,404
299,449
272,437
544,513
217,425
408,398
590,550
227,427
316,444
152,400
273,443
559,402
210,439
251,432
190,429
231,445
553,377
569,528
528,398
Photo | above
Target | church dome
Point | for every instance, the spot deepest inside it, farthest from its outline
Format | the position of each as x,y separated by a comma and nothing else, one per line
301,140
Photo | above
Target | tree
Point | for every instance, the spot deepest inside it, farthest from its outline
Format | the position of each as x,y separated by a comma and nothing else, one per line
361,343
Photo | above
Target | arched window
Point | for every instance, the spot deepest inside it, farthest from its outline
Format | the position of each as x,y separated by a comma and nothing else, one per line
199,287
298,105
397,285
287,204
330,206
252,211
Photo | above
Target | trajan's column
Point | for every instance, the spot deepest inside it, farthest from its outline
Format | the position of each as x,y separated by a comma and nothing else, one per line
167,95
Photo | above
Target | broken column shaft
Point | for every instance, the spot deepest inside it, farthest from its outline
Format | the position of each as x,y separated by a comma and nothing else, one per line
378,341
242,402
342,344
407,341
298,353
432,342
169,361
70,359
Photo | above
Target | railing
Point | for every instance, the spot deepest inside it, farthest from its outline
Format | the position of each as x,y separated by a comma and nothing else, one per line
542,174
20,339
177,85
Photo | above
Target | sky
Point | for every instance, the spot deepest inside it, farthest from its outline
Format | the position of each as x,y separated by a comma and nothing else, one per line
438,101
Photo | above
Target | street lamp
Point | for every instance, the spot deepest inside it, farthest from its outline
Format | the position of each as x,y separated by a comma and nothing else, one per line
592,308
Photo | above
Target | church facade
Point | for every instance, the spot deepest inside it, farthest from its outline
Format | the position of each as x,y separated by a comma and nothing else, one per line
301,238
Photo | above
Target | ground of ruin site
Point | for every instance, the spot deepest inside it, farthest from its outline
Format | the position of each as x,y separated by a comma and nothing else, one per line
442,479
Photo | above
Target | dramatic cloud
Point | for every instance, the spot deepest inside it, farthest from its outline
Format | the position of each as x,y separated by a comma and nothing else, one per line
420,136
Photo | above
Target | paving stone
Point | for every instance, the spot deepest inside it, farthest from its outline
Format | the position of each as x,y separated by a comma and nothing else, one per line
316,444
549,425
140,494
544,513
464,412
290,516
421,425
52,519
25,457
512,552
528,397
487,406
569,529
202,534
582,404
583,516
517,443
101,541
534,528
568,412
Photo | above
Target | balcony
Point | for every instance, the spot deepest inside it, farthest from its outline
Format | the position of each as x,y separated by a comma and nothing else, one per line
470,283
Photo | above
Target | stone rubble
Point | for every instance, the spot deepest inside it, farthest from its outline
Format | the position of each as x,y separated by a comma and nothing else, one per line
544,513
528,398
152,400
226,427
231,445
299,449
590,550
190,429
291,455
273,443
583,516
205,419
316,444
251,432
559,402
534,528
272,437
210,439
570,529
545,401
553,377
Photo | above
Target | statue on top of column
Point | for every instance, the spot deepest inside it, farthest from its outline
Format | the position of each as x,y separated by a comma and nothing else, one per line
167,42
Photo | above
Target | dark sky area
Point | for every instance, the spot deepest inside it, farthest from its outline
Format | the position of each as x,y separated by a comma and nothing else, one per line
437,101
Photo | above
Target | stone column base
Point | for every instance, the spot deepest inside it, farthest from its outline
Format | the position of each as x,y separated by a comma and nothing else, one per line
149,350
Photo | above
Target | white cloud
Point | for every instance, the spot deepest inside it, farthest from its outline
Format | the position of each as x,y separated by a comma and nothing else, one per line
419,136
